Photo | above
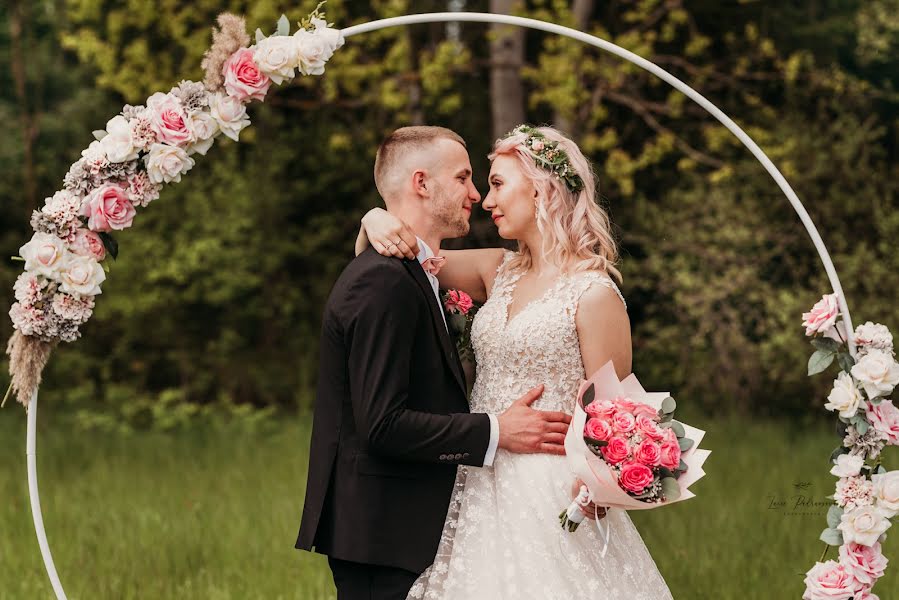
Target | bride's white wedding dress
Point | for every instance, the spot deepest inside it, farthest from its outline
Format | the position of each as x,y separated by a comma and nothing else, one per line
502,538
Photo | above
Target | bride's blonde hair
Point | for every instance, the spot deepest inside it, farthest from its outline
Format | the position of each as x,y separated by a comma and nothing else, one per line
576,230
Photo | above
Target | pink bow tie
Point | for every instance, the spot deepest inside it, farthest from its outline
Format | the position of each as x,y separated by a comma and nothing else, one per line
433,265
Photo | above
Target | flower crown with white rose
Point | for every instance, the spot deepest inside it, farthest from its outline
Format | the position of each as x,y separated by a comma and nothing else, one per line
548,155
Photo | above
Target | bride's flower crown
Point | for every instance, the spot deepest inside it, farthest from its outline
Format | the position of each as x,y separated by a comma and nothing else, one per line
548,155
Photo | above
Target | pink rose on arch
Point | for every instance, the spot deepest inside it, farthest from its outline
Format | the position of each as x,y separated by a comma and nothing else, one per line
624,422
88,243
616,451
830,581
108,208
866,563
243,79
822,316
670,455
648,453
169,120
884,417
648,427
598,429
458,302
635,477
601,409
866,594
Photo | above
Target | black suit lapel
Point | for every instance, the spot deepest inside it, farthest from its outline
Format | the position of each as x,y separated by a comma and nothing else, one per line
449,352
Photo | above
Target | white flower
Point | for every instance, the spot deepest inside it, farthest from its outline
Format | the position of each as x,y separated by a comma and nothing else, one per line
878,373
118,143
886,492
276,56
873,335
167,163
81,275
847,465
43,254
315,48
863,525
844,397
206,129
230,114
852,492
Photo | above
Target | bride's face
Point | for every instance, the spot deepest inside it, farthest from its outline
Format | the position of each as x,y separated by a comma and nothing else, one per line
511,200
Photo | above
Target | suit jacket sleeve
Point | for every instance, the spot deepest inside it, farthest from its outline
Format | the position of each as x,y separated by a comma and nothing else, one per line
385,308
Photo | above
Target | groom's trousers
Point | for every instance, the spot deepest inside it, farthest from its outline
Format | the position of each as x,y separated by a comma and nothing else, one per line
357,581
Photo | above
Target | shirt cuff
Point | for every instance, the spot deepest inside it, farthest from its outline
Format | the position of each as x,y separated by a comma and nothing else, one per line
494,441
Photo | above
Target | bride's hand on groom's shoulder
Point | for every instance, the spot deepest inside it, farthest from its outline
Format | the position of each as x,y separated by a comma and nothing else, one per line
525,430
389,235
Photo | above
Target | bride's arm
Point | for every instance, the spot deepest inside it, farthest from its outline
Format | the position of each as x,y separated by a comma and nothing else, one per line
604,330
472,271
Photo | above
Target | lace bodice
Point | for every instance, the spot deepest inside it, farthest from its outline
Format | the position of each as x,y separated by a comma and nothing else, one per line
539,344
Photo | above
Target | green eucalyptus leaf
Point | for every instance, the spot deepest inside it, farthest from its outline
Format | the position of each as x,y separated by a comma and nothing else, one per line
846,361
259,35
668,405
833,516
666,419
861,423
589,395
880,470
678,429
283,26
819,361
838,452
665,472
685,444
99,134
826,344
832,537
682,466
670,489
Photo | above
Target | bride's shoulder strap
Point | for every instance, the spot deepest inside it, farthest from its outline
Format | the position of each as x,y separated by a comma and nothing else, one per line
582,281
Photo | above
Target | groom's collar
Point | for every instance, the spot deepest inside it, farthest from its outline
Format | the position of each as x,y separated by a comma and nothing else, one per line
424,251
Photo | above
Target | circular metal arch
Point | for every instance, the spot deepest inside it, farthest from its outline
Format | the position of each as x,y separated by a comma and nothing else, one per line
473,17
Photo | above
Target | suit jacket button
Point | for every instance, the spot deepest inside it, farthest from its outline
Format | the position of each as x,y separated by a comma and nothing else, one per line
465,455
458,457
443,457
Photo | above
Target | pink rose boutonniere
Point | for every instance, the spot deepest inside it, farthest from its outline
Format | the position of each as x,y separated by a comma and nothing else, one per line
459,310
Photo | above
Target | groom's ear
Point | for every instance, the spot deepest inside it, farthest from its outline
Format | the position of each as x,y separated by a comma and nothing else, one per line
420,183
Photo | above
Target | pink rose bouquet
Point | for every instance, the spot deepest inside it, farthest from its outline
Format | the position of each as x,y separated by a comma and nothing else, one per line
459,310
626,447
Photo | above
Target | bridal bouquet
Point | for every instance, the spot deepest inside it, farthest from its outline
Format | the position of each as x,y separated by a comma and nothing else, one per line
625,445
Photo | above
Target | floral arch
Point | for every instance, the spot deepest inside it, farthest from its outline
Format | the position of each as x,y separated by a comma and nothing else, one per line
147,147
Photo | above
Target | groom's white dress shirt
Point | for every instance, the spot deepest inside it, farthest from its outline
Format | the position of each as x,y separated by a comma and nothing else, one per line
424,253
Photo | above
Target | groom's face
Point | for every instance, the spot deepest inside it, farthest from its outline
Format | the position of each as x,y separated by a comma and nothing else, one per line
453,193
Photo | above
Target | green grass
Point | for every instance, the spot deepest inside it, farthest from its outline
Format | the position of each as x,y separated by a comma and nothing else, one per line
212,513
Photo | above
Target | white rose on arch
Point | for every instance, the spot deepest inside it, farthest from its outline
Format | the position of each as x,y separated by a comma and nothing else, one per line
276,56
44,254
207,129
873,336
847,465
886,492
167,163
863,525
230,114
878,373
845,397
81,275
315,48
118,143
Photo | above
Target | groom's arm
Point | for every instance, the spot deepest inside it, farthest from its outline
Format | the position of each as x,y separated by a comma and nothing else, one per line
384,309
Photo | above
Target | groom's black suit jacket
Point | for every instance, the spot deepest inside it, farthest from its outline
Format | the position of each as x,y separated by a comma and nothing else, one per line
391,420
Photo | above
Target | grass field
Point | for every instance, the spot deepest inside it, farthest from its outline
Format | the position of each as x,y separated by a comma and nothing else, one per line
212,513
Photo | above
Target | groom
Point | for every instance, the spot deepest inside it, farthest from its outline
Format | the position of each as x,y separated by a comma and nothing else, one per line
392,421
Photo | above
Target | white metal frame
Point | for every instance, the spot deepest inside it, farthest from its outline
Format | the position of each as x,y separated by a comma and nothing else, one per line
531,24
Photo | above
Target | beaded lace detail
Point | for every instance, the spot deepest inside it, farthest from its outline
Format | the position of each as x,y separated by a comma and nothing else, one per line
502,538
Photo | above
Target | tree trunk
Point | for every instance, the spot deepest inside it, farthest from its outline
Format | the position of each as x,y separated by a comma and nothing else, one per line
506,60
18,19
581,11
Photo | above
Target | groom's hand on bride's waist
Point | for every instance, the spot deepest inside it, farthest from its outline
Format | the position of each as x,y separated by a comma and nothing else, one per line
525,430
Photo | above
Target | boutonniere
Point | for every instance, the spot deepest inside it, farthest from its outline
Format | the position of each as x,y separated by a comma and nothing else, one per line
460,310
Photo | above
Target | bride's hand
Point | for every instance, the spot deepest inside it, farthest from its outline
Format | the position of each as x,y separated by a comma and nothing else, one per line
389,235
591,511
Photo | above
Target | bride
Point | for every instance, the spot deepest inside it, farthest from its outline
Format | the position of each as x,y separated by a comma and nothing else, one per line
552,315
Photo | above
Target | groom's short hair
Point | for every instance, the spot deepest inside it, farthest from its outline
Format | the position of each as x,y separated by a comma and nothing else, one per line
402,143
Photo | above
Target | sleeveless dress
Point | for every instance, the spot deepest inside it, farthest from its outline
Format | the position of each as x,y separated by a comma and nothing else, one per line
502,538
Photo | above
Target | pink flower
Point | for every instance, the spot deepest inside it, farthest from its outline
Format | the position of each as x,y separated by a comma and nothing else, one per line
635,477
866,594
108,208
866,563
669,436
243,79
601,409
537,145
169,120
624,422
830,581
598,429
616,451
884,417
670,455
648,453
645,410
623,404
458,302
88,243
822,316
649,428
